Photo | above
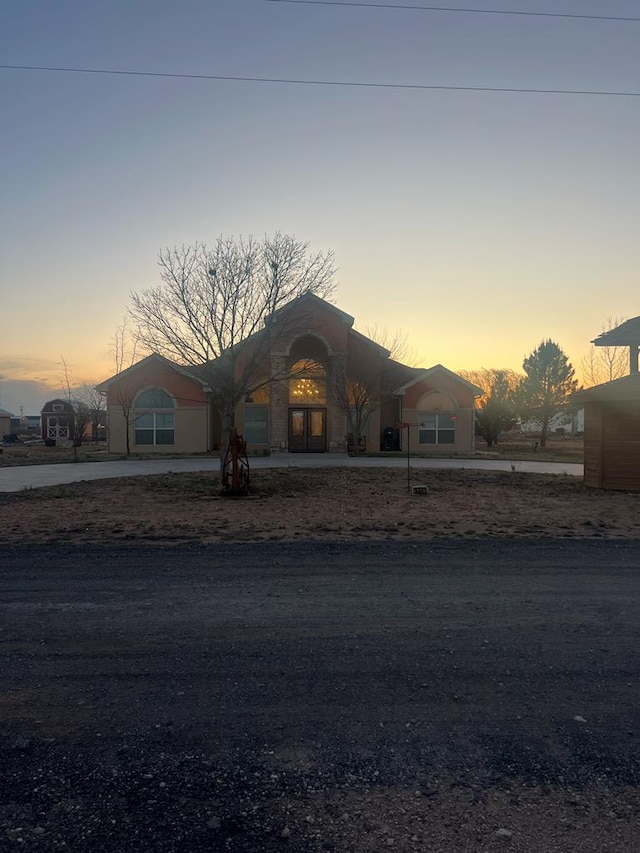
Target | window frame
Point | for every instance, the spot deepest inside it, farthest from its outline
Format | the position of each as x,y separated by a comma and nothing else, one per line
436,428
156,432
252,408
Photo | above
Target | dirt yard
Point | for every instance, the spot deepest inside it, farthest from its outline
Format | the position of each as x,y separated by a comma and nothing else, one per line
330,504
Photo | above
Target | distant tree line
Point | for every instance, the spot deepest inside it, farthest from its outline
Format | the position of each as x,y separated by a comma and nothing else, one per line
544,388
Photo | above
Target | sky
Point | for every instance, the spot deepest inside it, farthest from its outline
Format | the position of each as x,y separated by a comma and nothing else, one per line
478,222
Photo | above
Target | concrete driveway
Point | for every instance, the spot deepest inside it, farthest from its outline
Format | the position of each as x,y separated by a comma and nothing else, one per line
34,476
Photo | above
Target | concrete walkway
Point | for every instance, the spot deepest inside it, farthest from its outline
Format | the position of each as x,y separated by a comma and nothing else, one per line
33,476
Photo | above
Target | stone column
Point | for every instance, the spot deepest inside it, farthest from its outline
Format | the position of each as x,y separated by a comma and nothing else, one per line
279,407
337,426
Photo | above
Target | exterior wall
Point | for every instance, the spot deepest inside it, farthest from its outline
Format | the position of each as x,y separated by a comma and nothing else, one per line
5,425
612,445
593,445
57,420
439,394
193,433
318,334
388,417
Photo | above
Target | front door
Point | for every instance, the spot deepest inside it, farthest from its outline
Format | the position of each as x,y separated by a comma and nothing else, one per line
307,430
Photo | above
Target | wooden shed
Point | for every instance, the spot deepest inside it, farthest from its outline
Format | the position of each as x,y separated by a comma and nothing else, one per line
58,419
612,434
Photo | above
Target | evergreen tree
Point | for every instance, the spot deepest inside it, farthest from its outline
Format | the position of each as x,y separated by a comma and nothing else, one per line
548,384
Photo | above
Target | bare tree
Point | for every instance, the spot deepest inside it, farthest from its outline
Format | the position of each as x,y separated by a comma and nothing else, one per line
396,341
603,364
358,399
124,349
212,300
124,346
82,415
94,402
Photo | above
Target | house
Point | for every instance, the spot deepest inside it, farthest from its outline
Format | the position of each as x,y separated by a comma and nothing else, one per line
612,434
627,334
57,420
612,419
5,422
439,407
308,366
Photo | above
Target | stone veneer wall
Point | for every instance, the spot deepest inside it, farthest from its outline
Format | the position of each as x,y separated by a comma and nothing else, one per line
279,405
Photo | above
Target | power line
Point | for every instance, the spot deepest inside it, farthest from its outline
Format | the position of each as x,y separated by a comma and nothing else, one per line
301,82
458,10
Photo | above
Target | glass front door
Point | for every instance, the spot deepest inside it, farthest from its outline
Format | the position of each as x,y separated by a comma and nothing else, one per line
307,430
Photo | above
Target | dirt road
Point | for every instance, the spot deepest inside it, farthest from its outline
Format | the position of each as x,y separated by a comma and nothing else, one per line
432,696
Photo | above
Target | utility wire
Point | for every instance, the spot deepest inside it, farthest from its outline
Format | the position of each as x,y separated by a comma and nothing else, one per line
345,83
458,10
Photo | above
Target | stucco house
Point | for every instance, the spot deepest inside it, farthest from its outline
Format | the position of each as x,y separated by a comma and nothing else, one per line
298,402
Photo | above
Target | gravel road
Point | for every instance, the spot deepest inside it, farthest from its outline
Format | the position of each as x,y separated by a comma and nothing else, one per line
454,696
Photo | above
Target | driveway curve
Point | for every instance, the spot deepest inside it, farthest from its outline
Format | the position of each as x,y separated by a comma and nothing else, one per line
35,476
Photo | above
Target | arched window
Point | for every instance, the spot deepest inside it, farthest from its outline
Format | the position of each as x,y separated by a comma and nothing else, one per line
154,418
308,383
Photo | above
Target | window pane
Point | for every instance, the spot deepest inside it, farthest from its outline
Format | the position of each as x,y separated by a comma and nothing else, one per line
310,391
427,421
427,436
164,436
317,424
446,436
154,398
446,422
256,425
164,420
144,421
308,384
297,424
260,395
144,436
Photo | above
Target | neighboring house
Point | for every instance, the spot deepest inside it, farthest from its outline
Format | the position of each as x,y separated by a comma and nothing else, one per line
612,434
28,425
627,334
569,422
166,407
57,420
5,422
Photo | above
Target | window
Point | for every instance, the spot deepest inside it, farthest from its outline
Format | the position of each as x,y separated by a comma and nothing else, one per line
308,386
154,398
437,429
256,425
154,427
258,395
58,407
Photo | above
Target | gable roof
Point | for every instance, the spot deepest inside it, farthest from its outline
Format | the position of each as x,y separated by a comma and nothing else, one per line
627,333
359,336
625,388
5,414
102,387
314,302
429,372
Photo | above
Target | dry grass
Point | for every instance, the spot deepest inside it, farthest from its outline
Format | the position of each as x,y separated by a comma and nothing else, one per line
330,504
559,449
